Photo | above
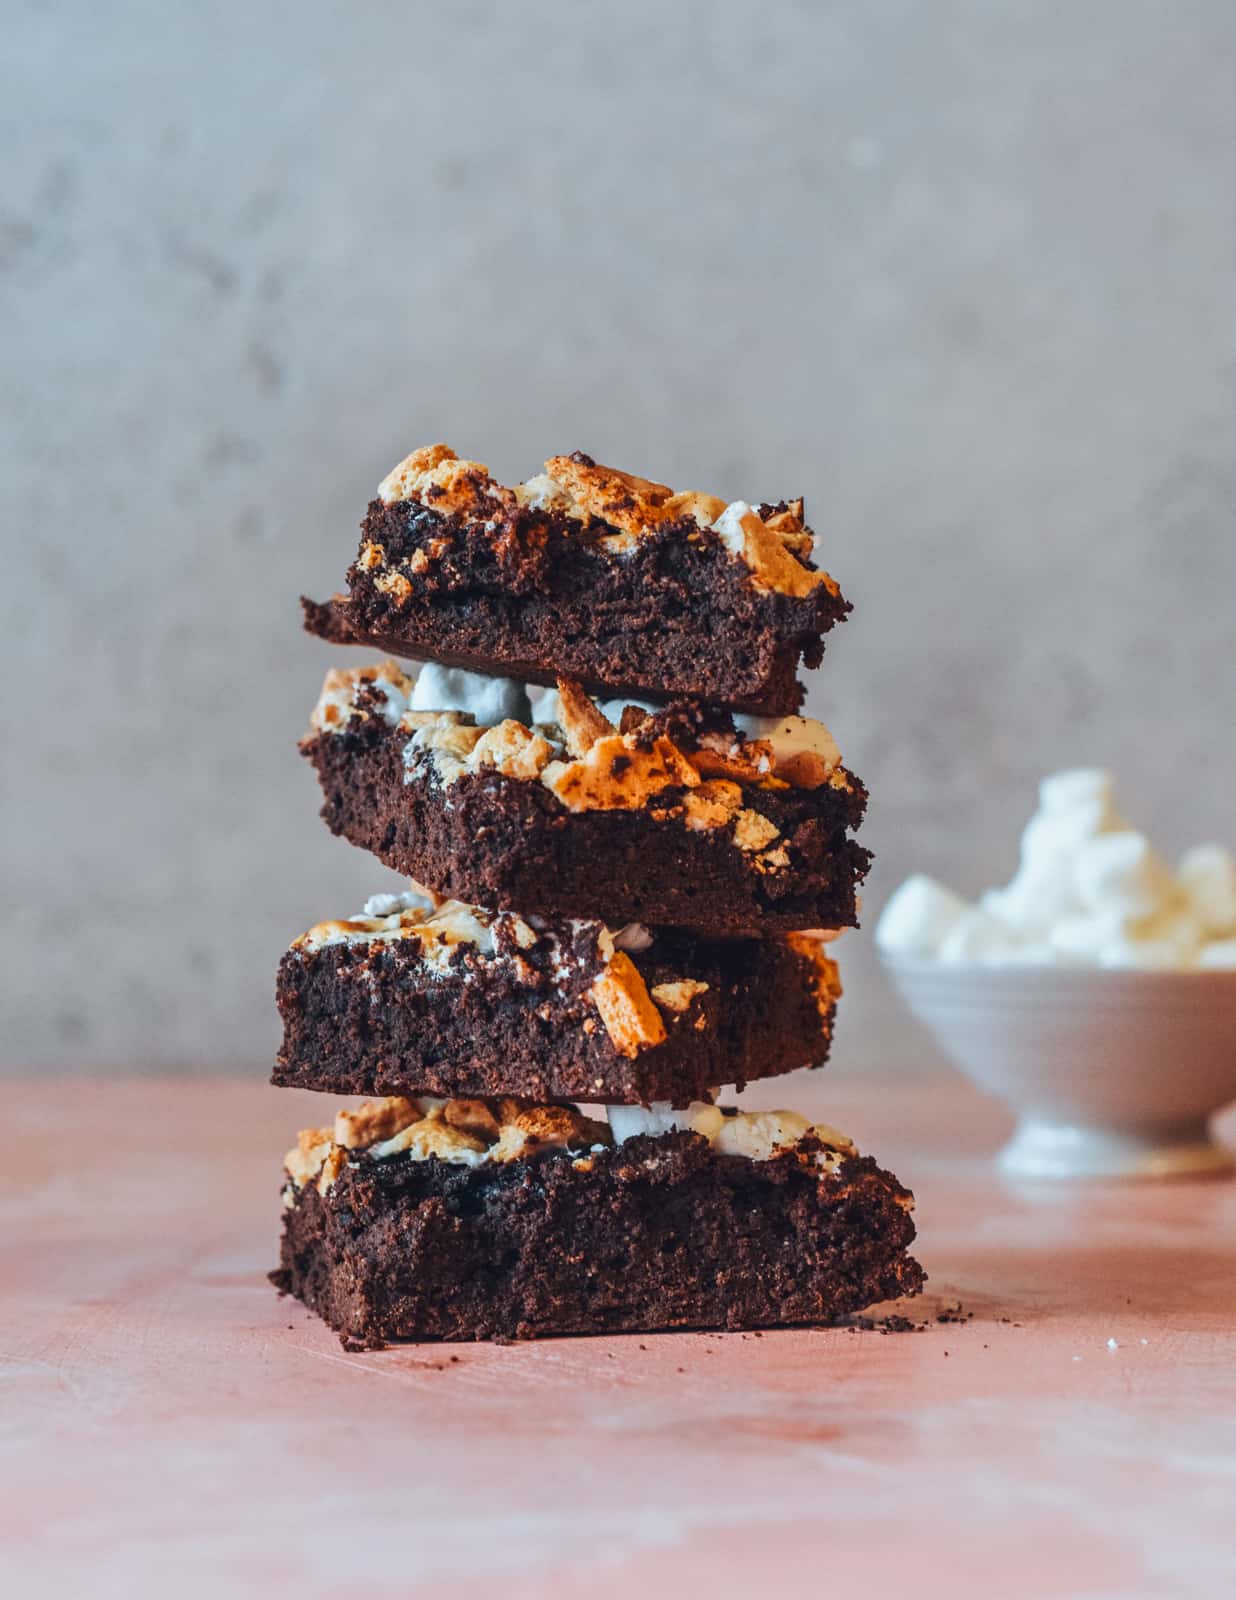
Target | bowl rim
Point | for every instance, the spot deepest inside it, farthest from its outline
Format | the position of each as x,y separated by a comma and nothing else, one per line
1044,972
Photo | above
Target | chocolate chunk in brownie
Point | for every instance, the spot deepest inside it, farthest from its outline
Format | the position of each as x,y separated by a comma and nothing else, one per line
589,573
565,819
414,998
483,1219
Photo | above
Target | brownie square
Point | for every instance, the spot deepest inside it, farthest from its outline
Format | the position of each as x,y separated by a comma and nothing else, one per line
576,1234
456,1001
644,824
589,573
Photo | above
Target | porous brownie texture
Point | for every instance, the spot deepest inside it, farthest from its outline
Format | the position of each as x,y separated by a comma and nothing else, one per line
509,842
657,1233
554,1019
629,589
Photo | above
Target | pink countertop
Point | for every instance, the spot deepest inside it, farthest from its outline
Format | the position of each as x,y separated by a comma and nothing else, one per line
171,1427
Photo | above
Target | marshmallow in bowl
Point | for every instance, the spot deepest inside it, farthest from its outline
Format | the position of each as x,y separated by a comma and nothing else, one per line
920,916
977,936
1089,891
1208,876
1119,875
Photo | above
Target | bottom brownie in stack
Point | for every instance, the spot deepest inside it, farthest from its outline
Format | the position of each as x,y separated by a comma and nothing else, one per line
502,1218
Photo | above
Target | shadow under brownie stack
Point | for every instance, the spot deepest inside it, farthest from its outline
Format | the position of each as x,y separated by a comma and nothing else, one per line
628,852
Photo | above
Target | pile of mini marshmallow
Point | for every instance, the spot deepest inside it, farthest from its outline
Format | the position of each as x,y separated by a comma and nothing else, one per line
1090,891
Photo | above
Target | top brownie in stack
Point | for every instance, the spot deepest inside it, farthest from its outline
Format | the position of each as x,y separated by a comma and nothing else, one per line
587,573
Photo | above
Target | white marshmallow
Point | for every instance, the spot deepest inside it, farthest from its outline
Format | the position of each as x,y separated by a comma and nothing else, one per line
1079,787
918,917
1118,874
978,936
1176,926
489,700
1039,894
612,710
1076,808
792,736
546,706
729,526
1089,890
1081,939
1055,835
625,1122
1208,876
1171,939
756,1134
1149,954
1031,954
389,905
753,1134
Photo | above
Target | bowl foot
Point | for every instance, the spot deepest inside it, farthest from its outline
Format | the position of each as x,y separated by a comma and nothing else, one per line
1041,1149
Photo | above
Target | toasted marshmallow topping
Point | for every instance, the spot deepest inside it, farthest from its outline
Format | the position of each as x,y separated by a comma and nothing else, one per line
389,905
756,1135
473,1132
634,1017
463,1132
804,751
773,549
438,929
341,688
588,764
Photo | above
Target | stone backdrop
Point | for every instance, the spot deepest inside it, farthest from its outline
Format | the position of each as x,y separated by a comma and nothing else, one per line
961,273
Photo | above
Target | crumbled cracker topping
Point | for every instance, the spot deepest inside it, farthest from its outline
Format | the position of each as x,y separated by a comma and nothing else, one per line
827,979
466,1132
677,996
581,722
621,996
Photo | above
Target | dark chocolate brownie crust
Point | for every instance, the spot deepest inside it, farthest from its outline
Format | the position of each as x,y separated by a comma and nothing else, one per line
373,1019
658,1233
678,616
498,841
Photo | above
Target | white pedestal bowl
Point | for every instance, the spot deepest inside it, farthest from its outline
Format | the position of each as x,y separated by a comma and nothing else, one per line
1112,1074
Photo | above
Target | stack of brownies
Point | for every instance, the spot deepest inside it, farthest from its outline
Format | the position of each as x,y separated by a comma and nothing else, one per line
627,854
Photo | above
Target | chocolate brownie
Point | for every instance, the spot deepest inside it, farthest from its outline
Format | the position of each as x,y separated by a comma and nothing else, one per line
589,573
667,822
452,1000
483,1220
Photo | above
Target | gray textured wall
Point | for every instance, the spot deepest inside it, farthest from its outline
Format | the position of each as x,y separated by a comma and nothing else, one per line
961,273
